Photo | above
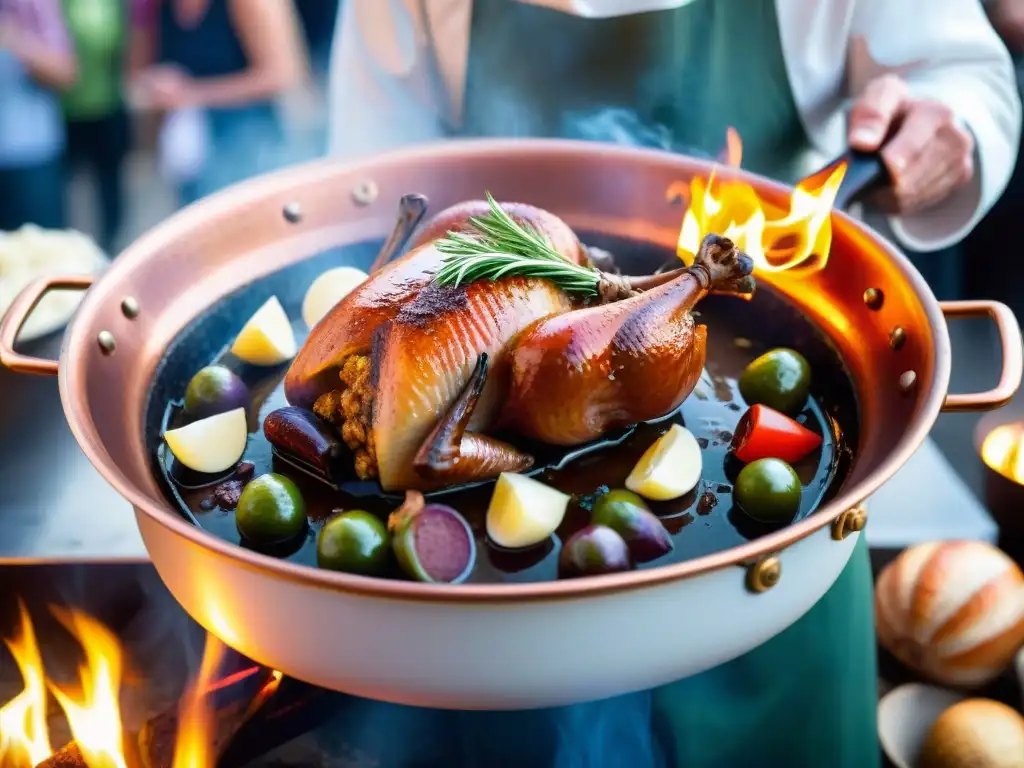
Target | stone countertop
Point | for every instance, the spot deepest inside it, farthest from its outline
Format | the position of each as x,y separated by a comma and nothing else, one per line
53,504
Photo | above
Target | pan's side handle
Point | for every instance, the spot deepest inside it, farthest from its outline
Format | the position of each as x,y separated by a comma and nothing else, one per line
1013,355
19,312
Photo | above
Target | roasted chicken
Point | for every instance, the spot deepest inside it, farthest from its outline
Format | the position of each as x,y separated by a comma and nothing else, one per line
418,376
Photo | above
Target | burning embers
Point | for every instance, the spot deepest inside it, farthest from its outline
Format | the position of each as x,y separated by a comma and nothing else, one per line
189,736
775,239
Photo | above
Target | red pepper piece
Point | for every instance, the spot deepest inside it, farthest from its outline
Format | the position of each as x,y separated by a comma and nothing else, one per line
764,433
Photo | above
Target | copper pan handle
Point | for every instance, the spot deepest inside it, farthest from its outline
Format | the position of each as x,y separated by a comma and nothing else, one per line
1013,356
19,312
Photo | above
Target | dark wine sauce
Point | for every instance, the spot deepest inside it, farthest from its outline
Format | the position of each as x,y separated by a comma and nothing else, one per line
702,522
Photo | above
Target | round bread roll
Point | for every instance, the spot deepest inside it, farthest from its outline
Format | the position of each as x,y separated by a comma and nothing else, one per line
953,611
977,733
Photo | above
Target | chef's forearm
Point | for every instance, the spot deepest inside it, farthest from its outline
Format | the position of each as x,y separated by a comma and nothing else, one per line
49,67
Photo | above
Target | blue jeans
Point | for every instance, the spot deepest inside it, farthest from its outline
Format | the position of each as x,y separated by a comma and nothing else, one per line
33,194
244,142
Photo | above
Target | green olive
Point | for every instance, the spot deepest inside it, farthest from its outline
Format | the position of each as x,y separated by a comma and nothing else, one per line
616,503
354,542
270,510
780,379
768,490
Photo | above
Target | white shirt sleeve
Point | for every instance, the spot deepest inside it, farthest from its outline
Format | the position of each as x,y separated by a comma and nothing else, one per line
946,50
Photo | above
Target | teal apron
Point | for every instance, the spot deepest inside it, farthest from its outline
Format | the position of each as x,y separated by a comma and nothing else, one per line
678,79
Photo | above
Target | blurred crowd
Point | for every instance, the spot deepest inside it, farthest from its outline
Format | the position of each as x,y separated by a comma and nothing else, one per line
202,85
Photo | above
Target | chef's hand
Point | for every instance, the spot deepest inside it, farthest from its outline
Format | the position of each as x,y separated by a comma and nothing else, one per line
927,152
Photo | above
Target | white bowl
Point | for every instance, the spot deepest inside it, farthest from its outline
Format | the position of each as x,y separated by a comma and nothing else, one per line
30,253
905,715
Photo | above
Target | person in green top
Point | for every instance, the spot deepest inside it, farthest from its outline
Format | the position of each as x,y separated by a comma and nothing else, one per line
97,122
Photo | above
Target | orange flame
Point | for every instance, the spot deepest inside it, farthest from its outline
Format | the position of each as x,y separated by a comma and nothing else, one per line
93,711
265,692
95,716
775,240
192,748
24,738
1003,450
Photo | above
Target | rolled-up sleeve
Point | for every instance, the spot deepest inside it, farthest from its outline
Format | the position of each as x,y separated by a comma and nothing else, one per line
948,51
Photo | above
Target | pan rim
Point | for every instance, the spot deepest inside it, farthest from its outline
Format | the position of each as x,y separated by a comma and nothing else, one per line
76,349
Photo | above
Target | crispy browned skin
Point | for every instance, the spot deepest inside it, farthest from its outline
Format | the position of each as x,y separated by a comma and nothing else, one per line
578,375
570,377
448,365
423,360
348,328
451,453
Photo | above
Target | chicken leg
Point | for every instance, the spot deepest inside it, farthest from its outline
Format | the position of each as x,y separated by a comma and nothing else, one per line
451,455
577,375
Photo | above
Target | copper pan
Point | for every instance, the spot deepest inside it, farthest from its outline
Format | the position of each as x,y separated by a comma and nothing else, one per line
493,646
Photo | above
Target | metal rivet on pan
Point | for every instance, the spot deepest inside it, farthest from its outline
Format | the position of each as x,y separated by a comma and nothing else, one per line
874,297
907,381
106,342
897,338
677,193
292,212
365,192
764,574
130,307
852,520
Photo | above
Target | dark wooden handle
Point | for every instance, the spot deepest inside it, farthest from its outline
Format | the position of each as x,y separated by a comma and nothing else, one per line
865,173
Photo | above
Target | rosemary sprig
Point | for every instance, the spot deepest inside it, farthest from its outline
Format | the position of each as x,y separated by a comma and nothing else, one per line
497,246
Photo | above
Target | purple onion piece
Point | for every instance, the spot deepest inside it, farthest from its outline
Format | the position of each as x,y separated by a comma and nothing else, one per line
593,551
432,542
649,541
643,532
215,389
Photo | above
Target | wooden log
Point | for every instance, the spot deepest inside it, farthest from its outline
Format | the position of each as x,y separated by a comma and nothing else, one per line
68,756
229,707
153,747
